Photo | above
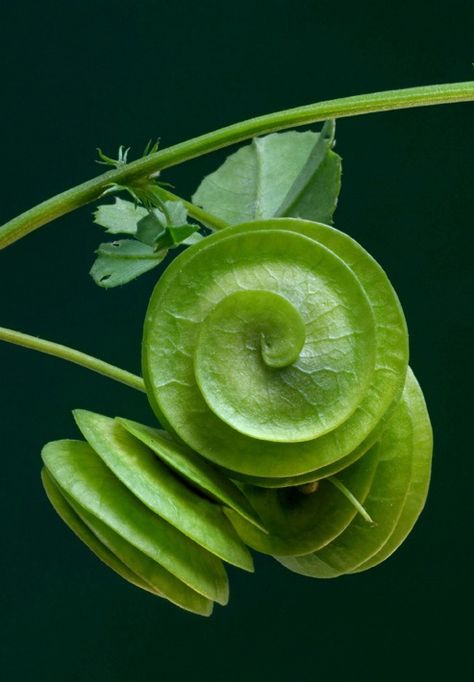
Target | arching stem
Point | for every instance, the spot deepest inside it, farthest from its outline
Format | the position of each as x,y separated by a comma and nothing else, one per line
71,355
145,167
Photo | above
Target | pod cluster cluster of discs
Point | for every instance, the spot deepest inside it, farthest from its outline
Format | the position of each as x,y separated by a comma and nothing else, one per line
275,355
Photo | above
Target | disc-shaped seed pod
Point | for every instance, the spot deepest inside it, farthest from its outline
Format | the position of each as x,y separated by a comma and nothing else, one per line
162,492
394,501
274,349
153,515
82,475
122,557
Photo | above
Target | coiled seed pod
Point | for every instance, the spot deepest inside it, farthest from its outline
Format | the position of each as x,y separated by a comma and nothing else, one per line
274,349
275,354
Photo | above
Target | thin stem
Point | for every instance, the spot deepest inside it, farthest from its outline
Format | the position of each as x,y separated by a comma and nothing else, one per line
194,211
348,106
71,355
352,499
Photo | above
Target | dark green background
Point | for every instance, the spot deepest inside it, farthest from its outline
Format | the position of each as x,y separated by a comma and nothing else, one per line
76,75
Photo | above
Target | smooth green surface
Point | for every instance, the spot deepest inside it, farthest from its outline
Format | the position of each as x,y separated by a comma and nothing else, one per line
329,469
293,174
243,341
121,556
406,444
226,446
323,387
193,468
160,490
157,577
315,191
81,473
79,528
391,352
300,523
417,490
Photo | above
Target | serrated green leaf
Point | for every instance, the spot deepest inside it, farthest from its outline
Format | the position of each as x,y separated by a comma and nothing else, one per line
122,261
177,212
283,174
126,249
119,218
194,238
165,228
179,233
151,227
314,192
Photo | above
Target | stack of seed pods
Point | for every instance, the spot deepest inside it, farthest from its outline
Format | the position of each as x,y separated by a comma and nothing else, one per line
275,355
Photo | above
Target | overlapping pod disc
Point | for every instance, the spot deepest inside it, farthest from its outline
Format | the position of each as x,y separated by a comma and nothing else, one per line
321,534
165,533
394,500
274,349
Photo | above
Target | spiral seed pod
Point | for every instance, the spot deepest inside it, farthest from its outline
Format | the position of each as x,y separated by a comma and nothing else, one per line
274,349
275,353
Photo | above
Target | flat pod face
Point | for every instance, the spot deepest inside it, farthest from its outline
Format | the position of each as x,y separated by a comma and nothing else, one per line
239,293
121,556
300,523
78,470
320,407
404,455
161,581
418,485
160,490
194,469
64,510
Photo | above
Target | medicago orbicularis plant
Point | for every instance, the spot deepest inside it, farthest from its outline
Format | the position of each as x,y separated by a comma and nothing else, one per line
275,356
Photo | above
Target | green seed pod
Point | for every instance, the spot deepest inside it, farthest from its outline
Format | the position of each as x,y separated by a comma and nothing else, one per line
275,353
342,349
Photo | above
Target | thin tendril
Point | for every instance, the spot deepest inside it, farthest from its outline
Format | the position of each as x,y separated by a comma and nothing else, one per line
72,355
352,499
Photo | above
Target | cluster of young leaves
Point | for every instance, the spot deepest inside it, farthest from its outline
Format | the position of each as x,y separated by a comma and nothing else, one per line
152,232
288,174
153,225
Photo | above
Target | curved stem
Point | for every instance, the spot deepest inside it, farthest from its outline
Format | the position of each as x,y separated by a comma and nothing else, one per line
194,211
71,355
348,106
352,499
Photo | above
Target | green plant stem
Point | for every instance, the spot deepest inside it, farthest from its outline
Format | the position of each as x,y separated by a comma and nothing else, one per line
194,211
338,108
71,355
352,499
